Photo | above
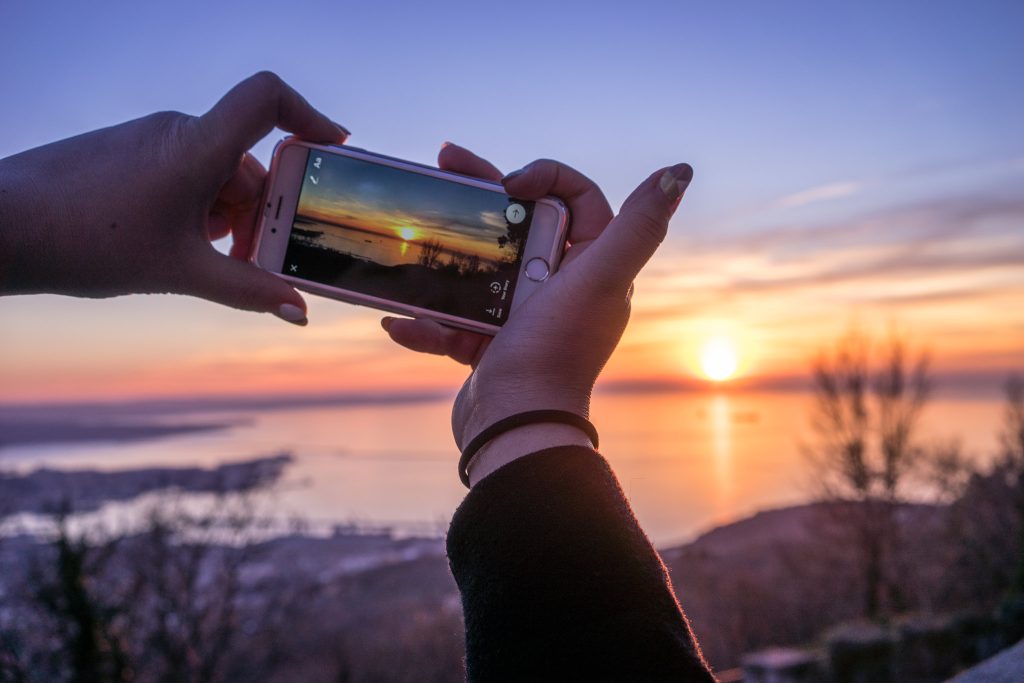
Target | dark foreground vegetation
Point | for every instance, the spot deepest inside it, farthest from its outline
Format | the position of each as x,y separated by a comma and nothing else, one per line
457,285
207,591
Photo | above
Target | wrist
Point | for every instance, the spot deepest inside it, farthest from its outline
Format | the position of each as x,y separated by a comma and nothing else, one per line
476,410
521,441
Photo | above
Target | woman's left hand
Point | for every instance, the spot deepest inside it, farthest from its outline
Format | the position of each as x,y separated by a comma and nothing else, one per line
550,352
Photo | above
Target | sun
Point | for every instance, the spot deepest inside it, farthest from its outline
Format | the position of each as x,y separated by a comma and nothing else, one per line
718,359
407,233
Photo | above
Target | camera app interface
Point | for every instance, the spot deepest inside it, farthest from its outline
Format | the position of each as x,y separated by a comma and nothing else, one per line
408,237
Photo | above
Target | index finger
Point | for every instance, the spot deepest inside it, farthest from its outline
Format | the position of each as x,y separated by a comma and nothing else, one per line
453,157
256,106
587,204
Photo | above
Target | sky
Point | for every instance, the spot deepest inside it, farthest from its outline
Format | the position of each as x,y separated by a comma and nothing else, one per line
856,164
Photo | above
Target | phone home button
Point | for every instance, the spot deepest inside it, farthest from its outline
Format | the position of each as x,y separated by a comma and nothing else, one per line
537,269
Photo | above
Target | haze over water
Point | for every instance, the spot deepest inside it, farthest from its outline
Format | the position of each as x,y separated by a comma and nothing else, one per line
382,249
687,460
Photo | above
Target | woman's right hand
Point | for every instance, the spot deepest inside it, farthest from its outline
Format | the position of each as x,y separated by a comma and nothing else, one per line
133,208
551,350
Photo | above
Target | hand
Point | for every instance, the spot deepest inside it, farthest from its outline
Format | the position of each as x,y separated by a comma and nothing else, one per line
133,208
551,350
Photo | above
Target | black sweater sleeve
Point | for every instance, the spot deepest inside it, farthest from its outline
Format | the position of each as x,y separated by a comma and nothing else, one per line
558,581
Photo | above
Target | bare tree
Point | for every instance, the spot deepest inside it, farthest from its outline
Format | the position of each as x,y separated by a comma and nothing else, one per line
471,265
204,589
182,577
83,622
159,604
865,417
430,253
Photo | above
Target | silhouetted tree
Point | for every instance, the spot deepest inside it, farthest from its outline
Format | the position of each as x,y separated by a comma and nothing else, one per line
472,265
512,240
865,418
155,605
83,622
463,264
430,253
199,592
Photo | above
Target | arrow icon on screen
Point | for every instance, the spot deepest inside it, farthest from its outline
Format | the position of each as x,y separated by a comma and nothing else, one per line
314,180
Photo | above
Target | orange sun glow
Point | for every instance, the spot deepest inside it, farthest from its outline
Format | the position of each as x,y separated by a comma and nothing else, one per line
718,359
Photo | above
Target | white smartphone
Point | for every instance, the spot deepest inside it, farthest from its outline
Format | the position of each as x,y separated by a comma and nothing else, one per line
402,237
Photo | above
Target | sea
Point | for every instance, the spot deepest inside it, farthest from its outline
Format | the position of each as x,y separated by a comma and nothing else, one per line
687,460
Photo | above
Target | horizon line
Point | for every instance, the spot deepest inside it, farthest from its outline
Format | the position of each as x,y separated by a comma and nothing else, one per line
973,384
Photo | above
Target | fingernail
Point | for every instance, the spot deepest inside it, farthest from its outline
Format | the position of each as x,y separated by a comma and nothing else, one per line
292,313
344,131
675,180
385,322
446,143
513,175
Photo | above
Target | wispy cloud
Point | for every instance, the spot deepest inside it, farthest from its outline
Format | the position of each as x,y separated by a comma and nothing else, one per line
950,269
818,194
929,222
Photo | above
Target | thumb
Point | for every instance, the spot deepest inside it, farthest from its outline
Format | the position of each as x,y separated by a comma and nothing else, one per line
632,237
256,106
242,285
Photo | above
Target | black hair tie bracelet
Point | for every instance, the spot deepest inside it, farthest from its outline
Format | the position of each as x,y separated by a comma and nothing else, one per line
520,420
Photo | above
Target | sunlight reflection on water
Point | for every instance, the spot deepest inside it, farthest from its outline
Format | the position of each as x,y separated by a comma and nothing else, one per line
687,461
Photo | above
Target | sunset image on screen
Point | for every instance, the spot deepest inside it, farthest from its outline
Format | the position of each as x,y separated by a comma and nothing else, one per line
368,210
405,237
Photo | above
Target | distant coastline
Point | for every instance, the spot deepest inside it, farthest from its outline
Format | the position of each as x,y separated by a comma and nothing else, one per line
133,421
49,491
962,385
11,413
31,433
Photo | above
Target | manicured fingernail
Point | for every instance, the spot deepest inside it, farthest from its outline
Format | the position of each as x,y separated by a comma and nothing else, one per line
513,175
292,313
342,129
385,322
675,180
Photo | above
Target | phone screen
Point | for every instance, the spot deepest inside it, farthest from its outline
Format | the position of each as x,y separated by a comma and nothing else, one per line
407,237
